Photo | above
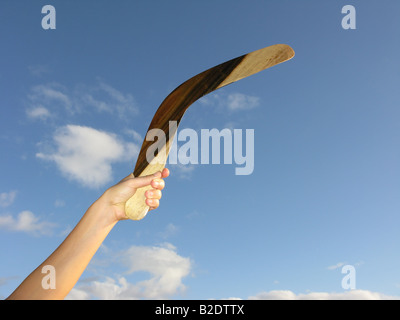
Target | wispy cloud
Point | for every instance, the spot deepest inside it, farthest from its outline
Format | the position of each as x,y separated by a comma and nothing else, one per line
7,198
124,104
52,99
336,266
39,70
26,221
86,155
341,264
239,101
169,231
134,135
231,102
346,295
38,112
182,171
166,269
59,203
51,96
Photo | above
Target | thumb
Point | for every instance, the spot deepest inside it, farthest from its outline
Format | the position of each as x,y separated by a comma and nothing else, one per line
140,182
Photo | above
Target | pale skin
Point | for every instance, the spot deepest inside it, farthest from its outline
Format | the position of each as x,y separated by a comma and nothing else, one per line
71,258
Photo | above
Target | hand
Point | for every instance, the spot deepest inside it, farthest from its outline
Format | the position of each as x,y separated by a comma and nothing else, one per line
116,196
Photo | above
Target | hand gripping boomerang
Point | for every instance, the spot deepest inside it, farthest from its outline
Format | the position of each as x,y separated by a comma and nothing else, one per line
178,101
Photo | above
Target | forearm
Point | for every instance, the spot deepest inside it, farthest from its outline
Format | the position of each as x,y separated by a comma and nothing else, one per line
71,258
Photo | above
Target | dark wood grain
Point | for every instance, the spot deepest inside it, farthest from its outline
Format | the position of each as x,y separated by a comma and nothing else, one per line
178,101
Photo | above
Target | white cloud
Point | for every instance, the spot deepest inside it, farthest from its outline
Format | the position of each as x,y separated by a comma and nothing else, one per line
166,267
86,155
166,271
7,198
346,295
26,222
78,294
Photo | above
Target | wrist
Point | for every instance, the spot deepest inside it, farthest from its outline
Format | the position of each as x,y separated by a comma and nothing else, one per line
101,211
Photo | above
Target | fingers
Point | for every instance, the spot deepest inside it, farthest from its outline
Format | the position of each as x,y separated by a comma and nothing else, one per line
159,183
165,173
153,196
156,181
153,203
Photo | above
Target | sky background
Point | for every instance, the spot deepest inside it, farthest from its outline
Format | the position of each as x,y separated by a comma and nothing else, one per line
76,102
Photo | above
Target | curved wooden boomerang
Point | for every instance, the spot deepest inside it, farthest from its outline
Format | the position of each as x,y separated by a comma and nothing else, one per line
179,100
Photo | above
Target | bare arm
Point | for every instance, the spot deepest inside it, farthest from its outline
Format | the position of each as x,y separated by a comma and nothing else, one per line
71,258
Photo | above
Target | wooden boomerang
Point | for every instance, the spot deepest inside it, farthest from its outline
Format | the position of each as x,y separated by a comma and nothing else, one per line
179,100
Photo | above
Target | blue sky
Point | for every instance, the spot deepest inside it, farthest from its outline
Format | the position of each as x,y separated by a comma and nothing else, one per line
325,188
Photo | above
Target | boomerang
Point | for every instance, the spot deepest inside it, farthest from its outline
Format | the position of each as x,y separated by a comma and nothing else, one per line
178,101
